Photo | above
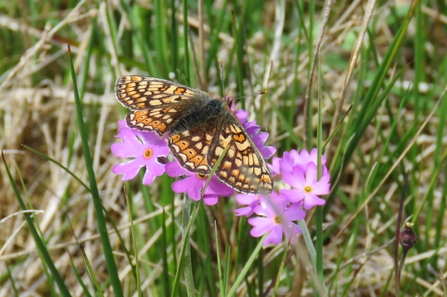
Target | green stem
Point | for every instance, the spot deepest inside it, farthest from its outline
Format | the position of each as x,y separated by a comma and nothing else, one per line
189,279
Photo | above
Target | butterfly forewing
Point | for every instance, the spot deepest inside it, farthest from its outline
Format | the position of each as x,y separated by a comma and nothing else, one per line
200,129
139,92
156,104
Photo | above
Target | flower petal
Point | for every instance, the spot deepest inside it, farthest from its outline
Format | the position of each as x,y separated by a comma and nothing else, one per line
246,199
311,173
275,236
174,169
293,196
243,211
274,166
186,186
210,199
260,226
217,188
129,169
295,178
312,200
295,212
152,171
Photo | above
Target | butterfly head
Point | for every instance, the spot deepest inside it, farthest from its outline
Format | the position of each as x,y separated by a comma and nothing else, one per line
230,102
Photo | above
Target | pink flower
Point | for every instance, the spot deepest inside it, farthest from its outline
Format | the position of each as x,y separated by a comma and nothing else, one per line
276,216
143,150
305,186
193,184
293,158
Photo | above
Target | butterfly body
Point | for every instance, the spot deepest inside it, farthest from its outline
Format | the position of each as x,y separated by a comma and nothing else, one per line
200,129
208,113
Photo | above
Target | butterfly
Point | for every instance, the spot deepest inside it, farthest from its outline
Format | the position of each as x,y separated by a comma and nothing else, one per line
199,127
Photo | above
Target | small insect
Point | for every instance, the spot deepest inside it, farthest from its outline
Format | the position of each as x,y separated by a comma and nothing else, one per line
200,129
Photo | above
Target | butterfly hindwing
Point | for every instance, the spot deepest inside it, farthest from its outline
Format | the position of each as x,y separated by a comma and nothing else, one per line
191,148
242,167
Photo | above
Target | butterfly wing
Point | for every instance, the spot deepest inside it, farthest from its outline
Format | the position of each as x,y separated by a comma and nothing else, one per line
158,119
156,103
243,167
142,92
191,148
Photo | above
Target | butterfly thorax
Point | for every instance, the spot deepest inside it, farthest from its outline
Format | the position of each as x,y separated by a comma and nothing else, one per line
200,116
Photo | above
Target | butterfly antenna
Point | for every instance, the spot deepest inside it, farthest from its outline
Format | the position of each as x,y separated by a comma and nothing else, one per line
223,84
222,76
251,95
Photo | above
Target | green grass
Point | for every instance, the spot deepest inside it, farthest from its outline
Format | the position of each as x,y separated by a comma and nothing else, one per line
374,119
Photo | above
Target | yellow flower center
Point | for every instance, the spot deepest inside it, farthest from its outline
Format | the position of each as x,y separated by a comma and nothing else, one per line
308,189
278,220
148,153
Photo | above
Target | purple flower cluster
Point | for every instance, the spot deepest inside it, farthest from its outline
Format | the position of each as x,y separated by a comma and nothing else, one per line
275,213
